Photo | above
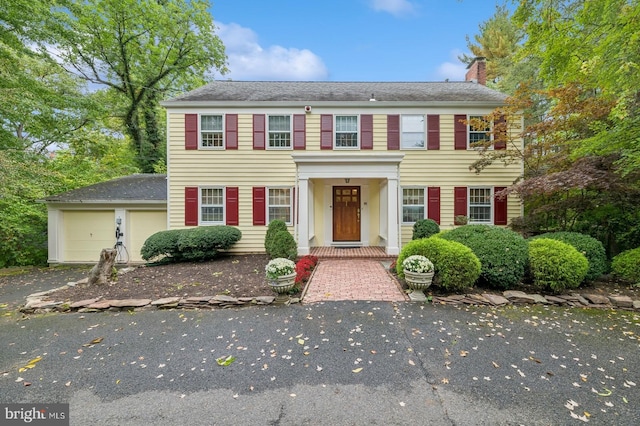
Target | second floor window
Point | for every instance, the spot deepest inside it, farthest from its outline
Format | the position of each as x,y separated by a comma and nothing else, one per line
479,131
211,131
346,131
279,131
412,131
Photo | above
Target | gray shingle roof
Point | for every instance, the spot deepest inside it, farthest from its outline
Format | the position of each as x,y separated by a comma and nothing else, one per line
133,188
293,91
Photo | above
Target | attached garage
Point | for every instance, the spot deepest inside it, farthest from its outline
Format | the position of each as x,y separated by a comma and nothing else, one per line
121,213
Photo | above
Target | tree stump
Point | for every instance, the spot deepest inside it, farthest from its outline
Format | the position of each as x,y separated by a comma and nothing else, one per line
102,271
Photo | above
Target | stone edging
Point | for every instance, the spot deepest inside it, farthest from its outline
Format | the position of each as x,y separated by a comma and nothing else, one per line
519,297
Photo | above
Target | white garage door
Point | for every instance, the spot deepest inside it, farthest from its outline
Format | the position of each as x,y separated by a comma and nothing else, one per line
141,225
86,233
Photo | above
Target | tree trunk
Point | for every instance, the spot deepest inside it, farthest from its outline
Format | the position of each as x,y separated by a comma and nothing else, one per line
102,271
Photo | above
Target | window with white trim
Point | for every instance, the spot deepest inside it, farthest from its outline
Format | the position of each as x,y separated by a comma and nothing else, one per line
413,205
413,131
479,131
279,205
346,133
211,132
480,205
279,129
211,205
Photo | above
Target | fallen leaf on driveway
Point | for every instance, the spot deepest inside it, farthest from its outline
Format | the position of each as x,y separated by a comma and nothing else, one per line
357,370
94,341
225,361
30,364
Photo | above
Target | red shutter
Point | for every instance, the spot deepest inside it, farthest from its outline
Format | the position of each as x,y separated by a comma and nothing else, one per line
231,131
326,131
460,131
258,131
500,134
259,205
231,206
500,207
191,206
366,131
299,131
191,131
433,132
460,201
393,132
433,203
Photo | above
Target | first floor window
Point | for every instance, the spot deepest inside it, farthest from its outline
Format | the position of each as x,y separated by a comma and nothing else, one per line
211,131
346,131
279,131
412,204
479,130
480,205
412,131
279,206
212,205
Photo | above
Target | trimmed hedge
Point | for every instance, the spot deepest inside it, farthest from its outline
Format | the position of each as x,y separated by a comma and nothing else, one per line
190,244
556,265
503,253
626,265
456,267
425,228
592,249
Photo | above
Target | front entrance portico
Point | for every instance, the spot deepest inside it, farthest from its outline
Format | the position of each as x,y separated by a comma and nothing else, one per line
319,175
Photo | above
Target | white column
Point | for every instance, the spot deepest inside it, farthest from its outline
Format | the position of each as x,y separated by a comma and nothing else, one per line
393,240
303,216
54,224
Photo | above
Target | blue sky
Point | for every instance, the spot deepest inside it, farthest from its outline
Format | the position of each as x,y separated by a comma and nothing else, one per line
347,40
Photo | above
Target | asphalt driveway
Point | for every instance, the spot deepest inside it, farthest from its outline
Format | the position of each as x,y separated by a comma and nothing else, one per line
338,363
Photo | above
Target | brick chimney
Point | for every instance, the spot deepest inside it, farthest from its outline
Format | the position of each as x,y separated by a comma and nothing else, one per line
477,71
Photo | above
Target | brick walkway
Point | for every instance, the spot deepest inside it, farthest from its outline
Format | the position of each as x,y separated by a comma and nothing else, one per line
352,279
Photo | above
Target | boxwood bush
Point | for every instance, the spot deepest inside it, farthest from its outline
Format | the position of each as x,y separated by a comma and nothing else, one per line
163,243
425,228
592,249
556,265
274,227
456,267
503,253
626,265
282,244
200,243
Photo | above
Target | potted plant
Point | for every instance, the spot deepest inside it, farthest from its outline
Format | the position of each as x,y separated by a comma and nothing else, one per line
418,273
281,275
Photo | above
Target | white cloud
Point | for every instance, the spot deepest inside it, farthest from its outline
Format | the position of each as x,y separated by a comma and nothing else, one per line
394,7
453,70
247,60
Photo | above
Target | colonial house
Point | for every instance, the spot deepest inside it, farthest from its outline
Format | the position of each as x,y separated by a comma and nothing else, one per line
342,163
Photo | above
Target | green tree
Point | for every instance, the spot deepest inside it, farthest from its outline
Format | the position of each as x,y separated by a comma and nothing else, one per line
142,51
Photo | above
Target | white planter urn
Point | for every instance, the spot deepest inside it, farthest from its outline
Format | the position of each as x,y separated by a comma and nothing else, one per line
417,283
283,284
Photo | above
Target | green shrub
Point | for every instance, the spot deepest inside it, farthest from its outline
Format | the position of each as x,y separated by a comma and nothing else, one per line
424,228
456,267
163,243
283,245
556,265
626,265
200,243
592,249
503,253
274,227
205,242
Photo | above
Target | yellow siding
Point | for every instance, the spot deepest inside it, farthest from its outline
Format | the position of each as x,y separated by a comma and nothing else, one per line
245,168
